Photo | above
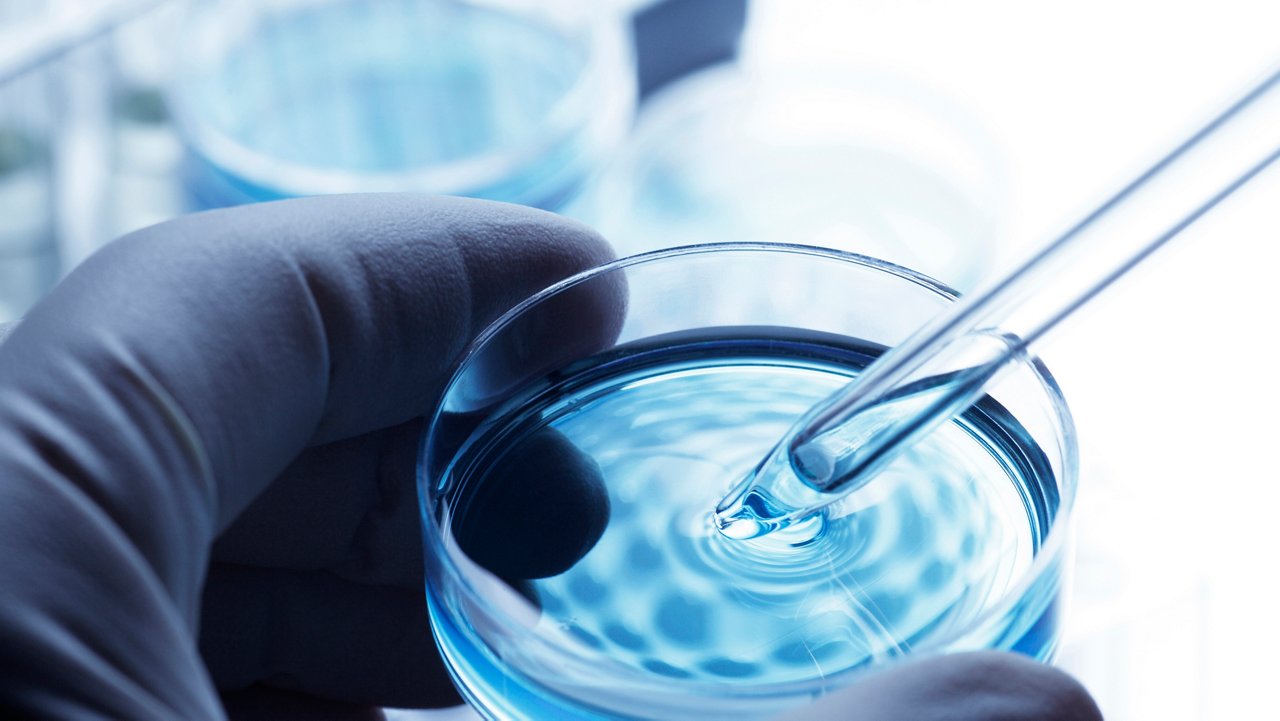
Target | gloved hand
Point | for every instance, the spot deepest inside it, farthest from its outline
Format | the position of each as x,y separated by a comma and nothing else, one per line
207,440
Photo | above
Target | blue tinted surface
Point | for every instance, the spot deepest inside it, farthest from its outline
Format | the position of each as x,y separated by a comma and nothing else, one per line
921,554
357,96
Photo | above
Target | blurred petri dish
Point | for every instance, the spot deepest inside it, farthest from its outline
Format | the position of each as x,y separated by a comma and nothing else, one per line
30,262
853,161
507,101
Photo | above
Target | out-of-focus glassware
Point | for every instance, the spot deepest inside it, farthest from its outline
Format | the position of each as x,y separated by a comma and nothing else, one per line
848,159
73,175
87,116
502,100
29,261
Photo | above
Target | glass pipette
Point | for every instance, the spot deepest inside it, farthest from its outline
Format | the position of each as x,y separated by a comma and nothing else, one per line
940,370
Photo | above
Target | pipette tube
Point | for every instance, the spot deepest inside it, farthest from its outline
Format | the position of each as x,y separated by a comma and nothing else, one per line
940,370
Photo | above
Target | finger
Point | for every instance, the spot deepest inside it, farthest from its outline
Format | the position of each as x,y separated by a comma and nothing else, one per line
539,508
255,331
349,507
262,703
172,376
315,634
979,686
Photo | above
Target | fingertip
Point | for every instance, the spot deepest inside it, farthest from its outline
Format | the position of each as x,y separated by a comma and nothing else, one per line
976,686
311,633
1016,687
537,511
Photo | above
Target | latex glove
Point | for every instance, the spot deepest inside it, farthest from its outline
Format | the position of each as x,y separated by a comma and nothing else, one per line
179,373
253,377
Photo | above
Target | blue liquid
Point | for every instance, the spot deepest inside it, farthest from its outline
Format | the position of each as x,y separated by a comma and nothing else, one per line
361,96
914,558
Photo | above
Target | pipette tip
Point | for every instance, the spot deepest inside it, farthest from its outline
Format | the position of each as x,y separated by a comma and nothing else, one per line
749,515
770,500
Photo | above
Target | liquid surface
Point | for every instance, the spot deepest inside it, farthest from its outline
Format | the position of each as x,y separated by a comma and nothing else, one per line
938,538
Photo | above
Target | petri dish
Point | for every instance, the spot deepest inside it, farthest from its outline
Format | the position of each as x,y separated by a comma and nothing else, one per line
570,472
30,261
853,160
500,100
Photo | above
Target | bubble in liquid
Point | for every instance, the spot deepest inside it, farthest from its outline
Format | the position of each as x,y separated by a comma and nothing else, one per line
665,669
552,604
584,636
586,589
643,556
682,619
728,668
625,637
806,651
935,575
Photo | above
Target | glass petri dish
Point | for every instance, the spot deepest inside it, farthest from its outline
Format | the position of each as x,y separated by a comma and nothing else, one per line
569,475
854,160
500,100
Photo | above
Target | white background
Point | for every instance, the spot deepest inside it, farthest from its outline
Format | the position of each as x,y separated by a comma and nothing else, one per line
1172,373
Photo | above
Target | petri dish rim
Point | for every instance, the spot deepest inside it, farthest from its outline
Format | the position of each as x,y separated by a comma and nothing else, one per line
1049,553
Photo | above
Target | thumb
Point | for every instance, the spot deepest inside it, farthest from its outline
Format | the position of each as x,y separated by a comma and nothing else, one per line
978,686
175,374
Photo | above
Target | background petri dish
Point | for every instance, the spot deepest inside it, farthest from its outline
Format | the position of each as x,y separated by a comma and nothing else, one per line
852,160
506,101
29,257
